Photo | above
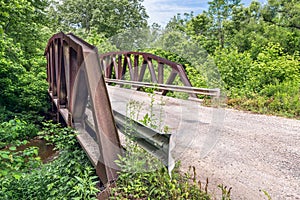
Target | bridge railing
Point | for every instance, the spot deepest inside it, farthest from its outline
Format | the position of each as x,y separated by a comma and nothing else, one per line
118,65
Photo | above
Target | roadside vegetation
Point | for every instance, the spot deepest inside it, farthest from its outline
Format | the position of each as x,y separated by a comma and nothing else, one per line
144,177
254,51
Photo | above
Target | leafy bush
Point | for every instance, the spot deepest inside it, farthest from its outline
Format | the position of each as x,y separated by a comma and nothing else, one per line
283,98
284,101
63,138
14,163
269,84
274,66
14,131
68,177
235,69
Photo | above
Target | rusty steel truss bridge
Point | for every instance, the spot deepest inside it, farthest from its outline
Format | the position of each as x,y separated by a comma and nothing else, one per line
83,86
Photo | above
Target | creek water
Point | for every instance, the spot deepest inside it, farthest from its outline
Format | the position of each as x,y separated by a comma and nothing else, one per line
46,152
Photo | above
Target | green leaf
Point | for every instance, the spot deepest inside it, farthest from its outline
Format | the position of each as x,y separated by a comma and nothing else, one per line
4,155
12,148
17,176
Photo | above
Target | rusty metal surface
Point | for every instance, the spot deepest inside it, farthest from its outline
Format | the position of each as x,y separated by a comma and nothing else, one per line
116,65
75,79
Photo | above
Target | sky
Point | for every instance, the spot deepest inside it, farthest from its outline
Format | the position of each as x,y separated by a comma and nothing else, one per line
161,11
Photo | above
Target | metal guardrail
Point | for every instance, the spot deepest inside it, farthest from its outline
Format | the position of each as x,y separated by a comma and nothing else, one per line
191,90
154,142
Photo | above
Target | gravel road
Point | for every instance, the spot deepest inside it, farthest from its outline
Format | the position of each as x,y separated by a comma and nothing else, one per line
253,153
250,153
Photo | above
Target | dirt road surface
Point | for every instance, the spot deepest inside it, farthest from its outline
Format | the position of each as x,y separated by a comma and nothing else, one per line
250,153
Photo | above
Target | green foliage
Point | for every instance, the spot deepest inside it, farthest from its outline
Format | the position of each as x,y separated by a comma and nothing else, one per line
23,21
15,131
105,17
11,70
22,64
70,176
274,66
14,163
22,89
62,137
150,119
100,41
143,177
267,84
235,69
220,11
283,13
280,98
178,23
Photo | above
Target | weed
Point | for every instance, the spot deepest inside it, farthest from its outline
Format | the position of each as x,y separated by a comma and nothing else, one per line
225,192
267,194
144,177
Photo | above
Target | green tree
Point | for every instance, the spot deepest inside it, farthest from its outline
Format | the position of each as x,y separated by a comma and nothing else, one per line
199,28
284,13
220,11
23,21
246,27
106,17
178,23
20,89
22,64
